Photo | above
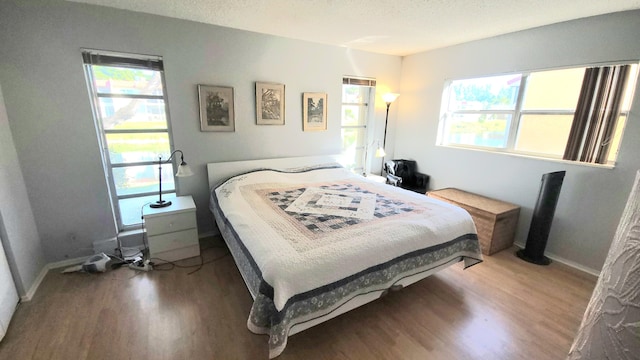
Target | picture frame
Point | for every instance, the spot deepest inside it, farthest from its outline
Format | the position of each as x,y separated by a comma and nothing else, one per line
314,111
270,100
217,106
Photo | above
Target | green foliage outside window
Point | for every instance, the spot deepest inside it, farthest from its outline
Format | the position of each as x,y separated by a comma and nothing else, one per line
117,73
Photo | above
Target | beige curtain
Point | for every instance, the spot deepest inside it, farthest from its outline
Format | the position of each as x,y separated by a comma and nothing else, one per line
610,327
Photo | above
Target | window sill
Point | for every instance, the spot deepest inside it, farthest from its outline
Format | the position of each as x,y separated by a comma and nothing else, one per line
528,156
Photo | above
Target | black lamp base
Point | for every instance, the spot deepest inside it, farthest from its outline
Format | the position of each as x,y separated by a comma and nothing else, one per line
538,261
160,204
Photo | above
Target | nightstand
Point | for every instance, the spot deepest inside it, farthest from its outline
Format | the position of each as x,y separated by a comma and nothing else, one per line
172,231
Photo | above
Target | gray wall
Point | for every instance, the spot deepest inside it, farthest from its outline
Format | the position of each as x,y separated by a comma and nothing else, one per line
17,225
592,198
52,126
51,123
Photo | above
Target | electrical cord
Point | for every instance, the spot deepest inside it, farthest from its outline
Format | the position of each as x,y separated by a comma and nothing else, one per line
175,265
145,243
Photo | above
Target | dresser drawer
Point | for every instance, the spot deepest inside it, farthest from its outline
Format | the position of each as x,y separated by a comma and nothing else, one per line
170,223
172,241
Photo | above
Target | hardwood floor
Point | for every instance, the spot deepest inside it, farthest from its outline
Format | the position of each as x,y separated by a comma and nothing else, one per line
503,308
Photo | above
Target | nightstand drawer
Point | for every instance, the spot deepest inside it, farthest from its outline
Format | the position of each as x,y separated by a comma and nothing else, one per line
177,254
170,223
172,241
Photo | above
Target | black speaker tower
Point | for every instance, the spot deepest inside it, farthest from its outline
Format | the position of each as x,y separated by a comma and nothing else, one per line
533,251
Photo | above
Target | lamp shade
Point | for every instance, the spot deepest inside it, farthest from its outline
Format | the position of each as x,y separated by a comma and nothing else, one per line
184,170
390,97
380,152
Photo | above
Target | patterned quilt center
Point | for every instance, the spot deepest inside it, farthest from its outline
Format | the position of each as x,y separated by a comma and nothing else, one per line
332,207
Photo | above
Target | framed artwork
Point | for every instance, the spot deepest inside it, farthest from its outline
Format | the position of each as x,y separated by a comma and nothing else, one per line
269,104
216,108
314,111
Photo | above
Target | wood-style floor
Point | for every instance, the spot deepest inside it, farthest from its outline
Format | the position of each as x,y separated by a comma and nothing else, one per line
503,308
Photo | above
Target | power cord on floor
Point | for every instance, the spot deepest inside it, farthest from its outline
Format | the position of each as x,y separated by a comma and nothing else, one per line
172,264
145,244
175,265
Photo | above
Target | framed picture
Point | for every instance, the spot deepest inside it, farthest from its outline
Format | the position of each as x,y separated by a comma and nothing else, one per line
314,111
269,104
216,108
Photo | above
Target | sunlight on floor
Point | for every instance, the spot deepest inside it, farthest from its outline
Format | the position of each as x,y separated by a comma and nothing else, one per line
483,335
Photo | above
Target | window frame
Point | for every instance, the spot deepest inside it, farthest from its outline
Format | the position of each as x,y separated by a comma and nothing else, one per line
131,61
366,116
518,112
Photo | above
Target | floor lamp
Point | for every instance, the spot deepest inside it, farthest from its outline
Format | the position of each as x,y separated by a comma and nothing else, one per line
388,98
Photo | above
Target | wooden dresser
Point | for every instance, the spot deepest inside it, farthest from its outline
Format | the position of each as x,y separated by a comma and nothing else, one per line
495,220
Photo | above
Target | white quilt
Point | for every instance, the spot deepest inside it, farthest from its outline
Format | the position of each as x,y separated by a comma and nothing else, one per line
309,229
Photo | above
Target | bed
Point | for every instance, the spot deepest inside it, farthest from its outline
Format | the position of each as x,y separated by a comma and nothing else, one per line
312,240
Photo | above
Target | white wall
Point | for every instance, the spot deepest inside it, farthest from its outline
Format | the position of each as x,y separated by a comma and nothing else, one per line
17,225
591,199
52,126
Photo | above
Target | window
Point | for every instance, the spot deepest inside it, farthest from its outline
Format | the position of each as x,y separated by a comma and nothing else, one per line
357,94
130,113
539,113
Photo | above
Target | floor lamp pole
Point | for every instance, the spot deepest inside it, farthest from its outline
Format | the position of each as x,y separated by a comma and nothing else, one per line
384,139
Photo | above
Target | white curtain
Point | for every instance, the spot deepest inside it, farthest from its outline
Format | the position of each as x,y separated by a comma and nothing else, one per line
610,327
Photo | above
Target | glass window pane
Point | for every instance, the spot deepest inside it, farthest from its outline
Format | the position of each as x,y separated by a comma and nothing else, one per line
553,90
132,114
544,134
490,93
121,80
137,147
490,130
354,94
144,178
352,138
358,163
353,115
354,159
131,209
617,136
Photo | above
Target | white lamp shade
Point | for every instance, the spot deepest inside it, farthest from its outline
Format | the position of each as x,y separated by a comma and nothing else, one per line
390,97
380,152
184,170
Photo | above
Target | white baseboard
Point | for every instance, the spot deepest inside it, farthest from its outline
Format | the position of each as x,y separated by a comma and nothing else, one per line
569,263
43,273
68,262
36,283
99,246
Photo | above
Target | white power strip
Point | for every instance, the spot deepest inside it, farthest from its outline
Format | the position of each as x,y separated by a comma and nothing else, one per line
146,266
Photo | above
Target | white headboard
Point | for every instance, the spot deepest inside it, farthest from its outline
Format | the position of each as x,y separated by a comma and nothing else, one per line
221,171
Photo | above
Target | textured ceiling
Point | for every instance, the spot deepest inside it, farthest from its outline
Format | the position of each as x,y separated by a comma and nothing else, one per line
396,27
